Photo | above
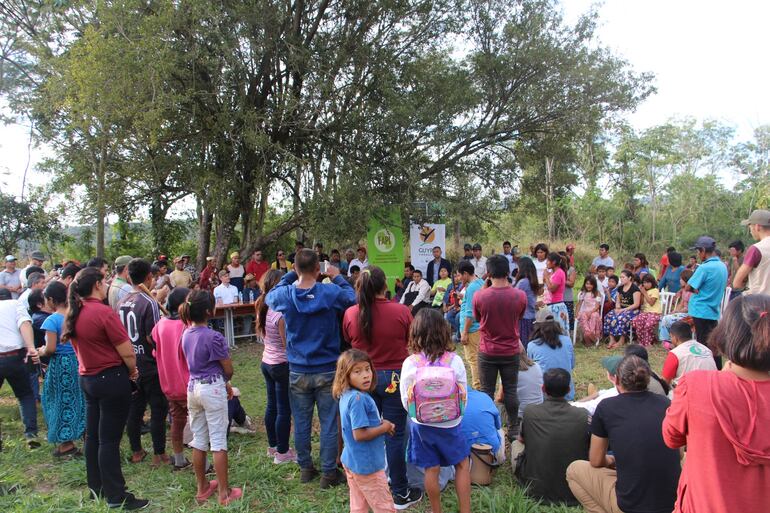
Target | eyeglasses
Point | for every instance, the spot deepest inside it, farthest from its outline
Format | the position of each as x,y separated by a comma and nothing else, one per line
280,254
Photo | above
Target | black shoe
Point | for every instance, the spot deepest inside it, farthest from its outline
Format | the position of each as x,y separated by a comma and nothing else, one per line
130,504
413,496
144,428
32,441
333,478
307,474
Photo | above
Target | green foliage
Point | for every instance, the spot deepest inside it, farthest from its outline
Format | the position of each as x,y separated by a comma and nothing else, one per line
25,221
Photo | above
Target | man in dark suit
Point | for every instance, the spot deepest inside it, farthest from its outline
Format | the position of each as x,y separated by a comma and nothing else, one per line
435,265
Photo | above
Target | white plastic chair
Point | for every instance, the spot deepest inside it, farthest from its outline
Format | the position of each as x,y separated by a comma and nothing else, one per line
574,328
726,299
666,303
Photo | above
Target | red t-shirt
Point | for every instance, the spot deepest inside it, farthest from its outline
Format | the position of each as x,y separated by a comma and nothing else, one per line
257,268
663,265
390,333
752,257
498,310
98,330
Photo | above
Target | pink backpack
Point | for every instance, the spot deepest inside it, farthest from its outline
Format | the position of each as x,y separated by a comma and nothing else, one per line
435,397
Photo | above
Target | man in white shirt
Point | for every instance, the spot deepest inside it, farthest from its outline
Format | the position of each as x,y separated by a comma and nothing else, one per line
479,262
35,281
225,293
417,293
604,259
10,277
36,259
362,262
17,348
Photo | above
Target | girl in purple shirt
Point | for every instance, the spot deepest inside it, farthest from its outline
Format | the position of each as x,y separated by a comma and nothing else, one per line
211,368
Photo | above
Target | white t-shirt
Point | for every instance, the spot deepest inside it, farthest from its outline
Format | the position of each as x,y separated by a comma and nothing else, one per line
361,265
236,272
479,266
227,293
11,280
593,403
12,316
408,373
540,268
606,261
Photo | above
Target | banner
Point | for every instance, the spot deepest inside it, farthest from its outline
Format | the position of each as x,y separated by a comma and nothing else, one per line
422,239
385,244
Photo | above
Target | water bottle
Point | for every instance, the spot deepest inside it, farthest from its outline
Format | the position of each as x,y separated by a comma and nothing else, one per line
240,297
251,296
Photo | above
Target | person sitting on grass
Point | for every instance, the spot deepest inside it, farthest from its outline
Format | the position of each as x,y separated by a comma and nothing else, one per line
553,435
687,355
550,348
208,359
641,474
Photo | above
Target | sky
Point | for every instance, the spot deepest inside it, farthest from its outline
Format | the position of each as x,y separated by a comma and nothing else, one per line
708,58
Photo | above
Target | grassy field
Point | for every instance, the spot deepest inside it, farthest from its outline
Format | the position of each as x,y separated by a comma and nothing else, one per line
45,485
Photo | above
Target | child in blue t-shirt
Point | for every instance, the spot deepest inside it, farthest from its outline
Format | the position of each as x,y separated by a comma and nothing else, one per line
439,444
363,433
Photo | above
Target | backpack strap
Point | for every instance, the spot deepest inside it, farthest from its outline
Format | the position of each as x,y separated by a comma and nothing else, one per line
446,359
419,359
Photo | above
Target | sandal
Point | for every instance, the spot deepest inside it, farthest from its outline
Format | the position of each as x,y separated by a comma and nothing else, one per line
201,498
233,495
72,451
187,464
138,457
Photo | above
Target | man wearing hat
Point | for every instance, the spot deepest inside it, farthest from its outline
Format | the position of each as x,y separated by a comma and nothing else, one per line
756,262
179,277
119,288
36,259
708,287
236,270
479,262
10,277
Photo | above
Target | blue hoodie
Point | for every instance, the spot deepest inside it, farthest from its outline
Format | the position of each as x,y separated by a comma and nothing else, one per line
312,321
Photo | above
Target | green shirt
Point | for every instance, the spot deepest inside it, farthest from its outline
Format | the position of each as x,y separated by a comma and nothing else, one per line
438,299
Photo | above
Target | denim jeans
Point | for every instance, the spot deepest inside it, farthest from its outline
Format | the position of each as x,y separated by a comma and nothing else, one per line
108,399
390,407
305,392
16,372
278,409
454,322
508,368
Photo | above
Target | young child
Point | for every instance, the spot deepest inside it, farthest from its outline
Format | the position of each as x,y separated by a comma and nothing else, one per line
687,355
602,280
436,439
211,368
172,371
589,307
363,433
646,323
681,304
271,326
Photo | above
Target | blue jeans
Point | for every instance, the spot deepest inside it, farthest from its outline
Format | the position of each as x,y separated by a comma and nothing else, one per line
278,409
305,392
16,372
454,322
390,407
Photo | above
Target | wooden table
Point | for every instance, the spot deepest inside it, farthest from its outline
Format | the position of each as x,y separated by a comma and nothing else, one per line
229,313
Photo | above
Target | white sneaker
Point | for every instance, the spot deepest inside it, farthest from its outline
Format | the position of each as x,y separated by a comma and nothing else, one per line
288,457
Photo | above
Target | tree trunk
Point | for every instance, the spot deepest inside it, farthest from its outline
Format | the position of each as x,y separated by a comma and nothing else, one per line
205,219
101,208
549,197
158,225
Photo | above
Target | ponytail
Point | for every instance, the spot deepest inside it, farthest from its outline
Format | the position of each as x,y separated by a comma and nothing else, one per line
370,282
269,280
633,373
198,307
81,287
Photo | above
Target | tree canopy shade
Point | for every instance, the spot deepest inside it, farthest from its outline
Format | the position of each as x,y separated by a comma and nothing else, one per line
24,221
317,109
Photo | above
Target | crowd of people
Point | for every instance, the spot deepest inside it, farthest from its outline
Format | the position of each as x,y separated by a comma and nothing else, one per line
382,371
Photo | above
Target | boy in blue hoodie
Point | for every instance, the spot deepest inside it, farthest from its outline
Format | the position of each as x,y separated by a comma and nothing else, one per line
311,311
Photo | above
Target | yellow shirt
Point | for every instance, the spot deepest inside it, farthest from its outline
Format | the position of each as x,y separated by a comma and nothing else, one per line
646,307
289,266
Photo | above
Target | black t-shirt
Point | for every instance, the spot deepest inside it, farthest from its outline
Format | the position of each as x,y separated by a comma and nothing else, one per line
139,314
648,471
627,298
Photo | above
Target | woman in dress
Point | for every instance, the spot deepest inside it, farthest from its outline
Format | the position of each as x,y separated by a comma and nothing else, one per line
554,283
64,406
617,324
646,323
527,281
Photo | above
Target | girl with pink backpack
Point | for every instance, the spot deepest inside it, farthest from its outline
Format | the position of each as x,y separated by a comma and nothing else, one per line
433,385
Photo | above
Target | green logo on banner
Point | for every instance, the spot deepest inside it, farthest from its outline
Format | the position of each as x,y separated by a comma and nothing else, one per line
385,240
